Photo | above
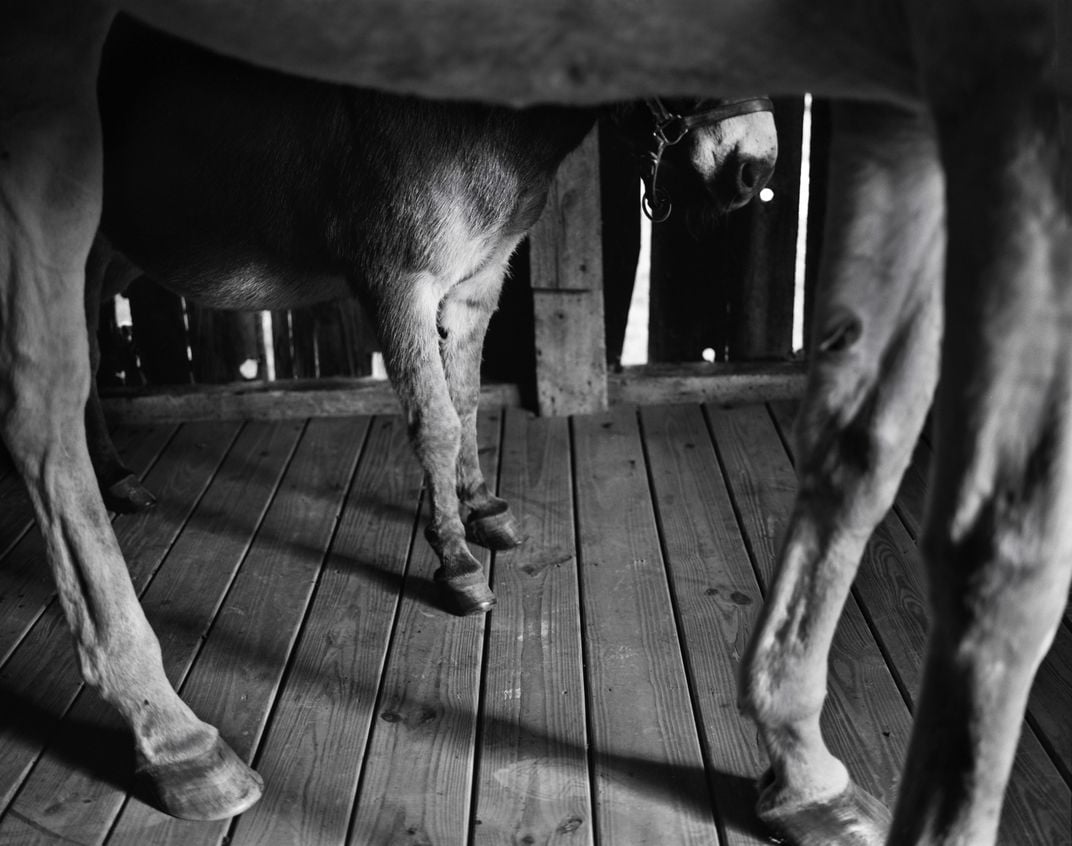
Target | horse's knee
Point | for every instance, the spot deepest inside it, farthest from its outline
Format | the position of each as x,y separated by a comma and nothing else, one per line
436,432
999,580
41,403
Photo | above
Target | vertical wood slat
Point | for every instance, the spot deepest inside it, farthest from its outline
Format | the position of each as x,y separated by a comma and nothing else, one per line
321,725
717,599
416,786
650,784
567,287
533,780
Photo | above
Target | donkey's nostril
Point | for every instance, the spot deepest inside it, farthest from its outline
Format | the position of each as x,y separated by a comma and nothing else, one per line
752,177
747,177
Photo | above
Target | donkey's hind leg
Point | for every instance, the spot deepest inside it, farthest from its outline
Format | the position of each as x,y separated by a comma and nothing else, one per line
50,193
405,311
463,322
106,275
998,542
872,377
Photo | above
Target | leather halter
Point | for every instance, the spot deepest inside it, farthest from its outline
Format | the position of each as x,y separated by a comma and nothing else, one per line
671,129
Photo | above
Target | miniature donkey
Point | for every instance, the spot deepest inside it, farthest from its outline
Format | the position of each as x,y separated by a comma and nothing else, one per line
244,188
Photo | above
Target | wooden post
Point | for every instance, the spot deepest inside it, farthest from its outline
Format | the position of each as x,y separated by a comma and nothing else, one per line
567,289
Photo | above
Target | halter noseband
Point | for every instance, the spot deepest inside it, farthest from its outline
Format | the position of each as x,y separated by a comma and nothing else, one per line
671,129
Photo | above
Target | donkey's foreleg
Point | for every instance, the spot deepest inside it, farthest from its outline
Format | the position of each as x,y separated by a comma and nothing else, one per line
463,322
406,313
50,171
120,487
998,541
872,376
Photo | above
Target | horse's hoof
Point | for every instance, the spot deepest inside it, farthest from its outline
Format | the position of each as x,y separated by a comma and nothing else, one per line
467,593
216,785
497,529
852,818
128,496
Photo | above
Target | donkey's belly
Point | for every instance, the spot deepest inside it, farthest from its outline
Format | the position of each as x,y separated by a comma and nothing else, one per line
227,282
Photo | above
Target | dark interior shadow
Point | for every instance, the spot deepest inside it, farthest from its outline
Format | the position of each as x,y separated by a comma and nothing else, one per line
100,748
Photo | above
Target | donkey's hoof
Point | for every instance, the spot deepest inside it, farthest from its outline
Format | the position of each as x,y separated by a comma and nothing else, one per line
852,818
496,529
128,496
466,594
214,786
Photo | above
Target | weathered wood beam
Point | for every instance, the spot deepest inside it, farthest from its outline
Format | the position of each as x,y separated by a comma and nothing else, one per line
272,401
567,289
726,384
647,385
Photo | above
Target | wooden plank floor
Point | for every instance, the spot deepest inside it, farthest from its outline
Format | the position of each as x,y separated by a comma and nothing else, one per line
286,575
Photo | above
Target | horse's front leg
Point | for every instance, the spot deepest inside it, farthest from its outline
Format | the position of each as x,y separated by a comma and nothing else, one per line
998,541
463,322
50,171
872,376
405,311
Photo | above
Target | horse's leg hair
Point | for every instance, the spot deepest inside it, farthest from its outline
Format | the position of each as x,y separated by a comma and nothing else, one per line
463,322
50,196
406,315
106,274
998,541
872,377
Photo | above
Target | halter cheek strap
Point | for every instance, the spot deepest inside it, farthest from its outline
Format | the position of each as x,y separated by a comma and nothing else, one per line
671,129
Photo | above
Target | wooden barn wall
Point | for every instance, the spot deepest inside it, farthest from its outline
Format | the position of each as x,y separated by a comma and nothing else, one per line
726,285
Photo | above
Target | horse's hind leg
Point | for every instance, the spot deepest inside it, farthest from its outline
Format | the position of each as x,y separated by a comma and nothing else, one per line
106,275
872,377
405,311
998,542
463,321
50,167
